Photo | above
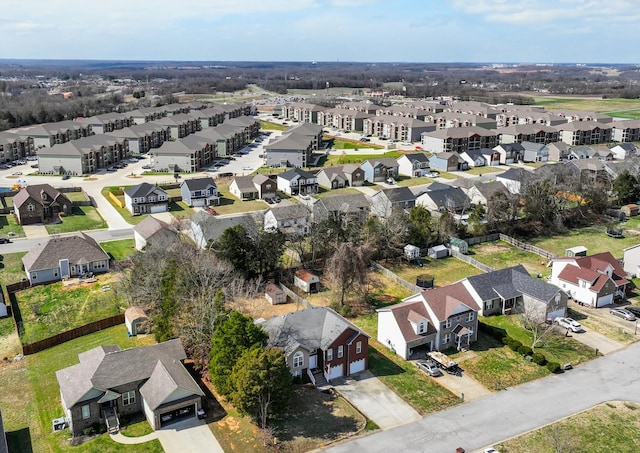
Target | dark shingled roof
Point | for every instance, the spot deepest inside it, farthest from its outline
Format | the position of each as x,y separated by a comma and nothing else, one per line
142,190
511,281
199,183
77,248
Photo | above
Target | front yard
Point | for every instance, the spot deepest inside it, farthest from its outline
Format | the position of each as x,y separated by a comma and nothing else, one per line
83,218
9,224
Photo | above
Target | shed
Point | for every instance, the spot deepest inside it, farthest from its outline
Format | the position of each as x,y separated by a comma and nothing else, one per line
425,281
3,305
578,250
438,251
411,252
307,281
274,294
630,209
459,245
136,321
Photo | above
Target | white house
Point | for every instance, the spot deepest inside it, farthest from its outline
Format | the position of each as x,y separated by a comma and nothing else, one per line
146,198
413,165
631,260
294,219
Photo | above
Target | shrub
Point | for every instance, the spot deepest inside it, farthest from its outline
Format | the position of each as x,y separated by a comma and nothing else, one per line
506,340
514,345
525,350
539,359
554,367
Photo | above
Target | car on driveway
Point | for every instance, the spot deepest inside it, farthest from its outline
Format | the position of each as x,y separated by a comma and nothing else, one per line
4,241
16,173
634,310
429,367
622,313
569,324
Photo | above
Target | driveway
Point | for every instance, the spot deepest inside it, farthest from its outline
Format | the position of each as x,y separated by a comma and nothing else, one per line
463,384
189,436
375,400
595,340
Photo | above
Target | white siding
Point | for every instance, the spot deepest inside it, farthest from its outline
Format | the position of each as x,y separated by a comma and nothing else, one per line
389,334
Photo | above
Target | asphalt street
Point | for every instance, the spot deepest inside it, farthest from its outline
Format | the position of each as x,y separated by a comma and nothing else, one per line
517,410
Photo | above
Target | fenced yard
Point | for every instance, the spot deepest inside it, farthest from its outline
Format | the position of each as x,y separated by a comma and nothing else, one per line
500,255
445,270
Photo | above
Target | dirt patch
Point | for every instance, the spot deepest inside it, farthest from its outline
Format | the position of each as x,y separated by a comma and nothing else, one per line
9,346
492,248
259,307
90,179
132,176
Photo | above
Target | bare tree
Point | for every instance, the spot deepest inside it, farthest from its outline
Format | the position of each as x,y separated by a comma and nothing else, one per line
347,267
532,317
562,440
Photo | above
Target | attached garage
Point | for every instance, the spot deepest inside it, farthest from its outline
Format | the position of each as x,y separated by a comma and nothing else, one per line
177,415
556,314
158,208
604,300
356,366
335,372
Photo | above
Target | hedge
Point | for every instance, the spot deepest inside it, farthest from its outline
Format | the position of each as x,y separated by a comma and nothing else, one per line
525,350
554,367
539,359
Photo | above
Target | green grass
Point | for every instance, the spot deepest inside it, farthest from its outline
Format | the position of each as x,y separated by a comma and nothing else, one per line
405,181
76,196
137,429
500,255
124,212
6,326
633,114
445,270
9,224
353,144
11,267
484,170
557,347
341,159
51,309
180,210
119,250
605,106
609,427
593,237
322,192
229,204
269,126
83,218
34,398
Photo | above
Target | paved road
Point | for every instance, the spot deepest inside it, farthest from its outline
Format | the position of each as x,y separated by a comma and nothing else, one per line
512,412
26,244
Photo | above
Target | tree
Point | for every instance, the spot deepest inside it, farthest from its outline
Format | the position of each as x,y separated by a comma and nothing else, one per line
420,231
262,384
627,187
532,317
236,335
348,267
477,221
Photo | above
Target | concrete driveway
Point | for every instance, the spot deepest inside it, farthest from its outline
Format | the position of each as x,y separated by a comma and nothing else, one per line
463,384
595,340
375,400
189,436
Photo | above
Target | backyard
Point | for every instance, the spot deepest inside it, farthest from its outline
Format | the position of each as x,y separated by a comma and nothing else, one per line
83,218
119,250
500,255
444,270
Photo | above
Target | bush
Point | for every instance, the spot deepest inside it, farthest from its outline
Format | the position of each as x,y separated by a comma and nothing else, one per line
539,359
554,367
525,350
515,345
506,340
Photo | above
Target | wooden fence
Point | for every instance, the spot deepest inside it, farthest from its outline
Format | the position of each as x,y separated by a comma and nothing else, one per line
475,263
528,247
301,300
386,272
481,239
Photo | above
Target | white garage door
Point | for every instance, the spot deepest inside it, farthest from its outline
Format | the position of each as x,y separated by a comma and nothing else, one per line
356,367
604,300
555,314
336,371
157,208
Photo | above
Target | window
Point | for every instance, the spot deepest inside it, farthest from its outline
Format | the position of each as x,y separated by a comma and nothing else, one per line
358,347
34,275
340,351
488,305
447,338
129,398
298,359
31,208
470,316
421,327
329,354
86,412
447,324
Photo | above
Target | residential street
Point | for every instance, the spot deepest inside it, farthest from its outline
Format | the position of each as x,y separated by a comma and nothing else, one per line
514,411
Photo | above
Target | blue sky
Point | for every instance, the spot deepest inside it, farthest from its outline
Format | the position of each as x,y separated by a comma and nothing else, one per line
541,31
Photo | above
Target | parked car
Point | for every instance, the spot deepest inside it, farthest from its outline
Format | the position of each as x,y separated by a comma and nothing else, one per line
111,169
429,367
17,173
569,324
277,199
145,167
34,166
490,450
32,157
622,313
634,310
65,177
4,241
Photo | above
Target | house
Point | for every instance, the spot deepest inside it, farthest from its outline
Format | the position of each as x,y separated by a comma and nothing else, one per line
510,153
588,170
513,290
447,161
206,229
257,187
110,383
40,203
64,256
413,165
452,200
306,281
379,169
535,152
432,320
199,192
513,179
624,150
481,193
297,181
349,175
153,231
319,344
473,158
348,208
631,261
274,294
558,151
293,219
146,198
386,201
136,321
595,280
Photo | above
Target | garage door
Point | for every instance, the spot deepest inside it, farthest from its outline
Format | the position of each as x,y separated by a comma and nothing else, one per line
336,371
356,367
605,300
158,208
177,415
555,314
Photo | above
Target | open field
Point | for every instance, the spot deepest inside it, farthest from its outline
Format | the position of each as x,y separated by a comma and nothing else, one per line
500,255
269,126
54,308
445,270
34,398
605,106
609,427
83,218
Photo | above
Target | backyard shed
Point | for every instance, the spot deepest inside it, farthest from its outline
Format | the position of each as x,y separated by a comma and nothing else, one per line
459,245
136,321
578,250
274,294
411,252
630,209
3,305
438,251
306,281
425,281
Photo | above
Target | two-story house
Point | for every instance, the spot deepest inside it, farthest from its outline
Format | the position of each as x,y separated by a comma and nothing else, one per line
297,182
40,203
413,165
447,161
386,201
294,219
199,192
350,175
257,187
146,198
380,169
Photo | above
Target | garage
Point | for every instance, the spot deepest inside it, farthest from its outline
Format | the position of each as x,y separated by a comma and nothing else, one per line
604,300
356,366
158,208
335,372
177,415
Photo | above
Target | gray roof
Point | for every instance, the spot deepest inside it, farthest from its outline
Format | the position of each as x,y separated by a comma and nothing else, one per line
143,190
350,203
290,174
199,183
417,157
514,174
293,211
77,248
451,197
511,282
488,189
399,194
312,328
104,368
213,226
150,226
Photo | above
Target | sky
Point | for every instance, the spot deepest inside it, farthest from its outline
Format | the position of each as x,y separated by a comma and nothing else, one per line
492,31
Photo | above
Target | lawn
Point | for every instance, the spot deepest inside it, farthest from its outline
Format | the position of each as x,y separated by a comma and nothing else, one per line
353,144
9,224
609,427
34,398
500,255
322,192
269,126
592,237
605,106
180,210
83,218
557,347
119,250
484,170
445,270
11,266
124,212
341,159
76,196
54,308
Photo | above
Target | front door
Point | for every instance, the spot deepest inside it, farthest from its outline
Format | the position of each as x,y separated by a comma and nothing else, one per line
313,361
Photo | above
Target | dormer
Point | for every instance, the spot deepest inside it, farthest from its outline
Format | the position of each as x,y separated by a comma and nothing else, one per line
418,322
